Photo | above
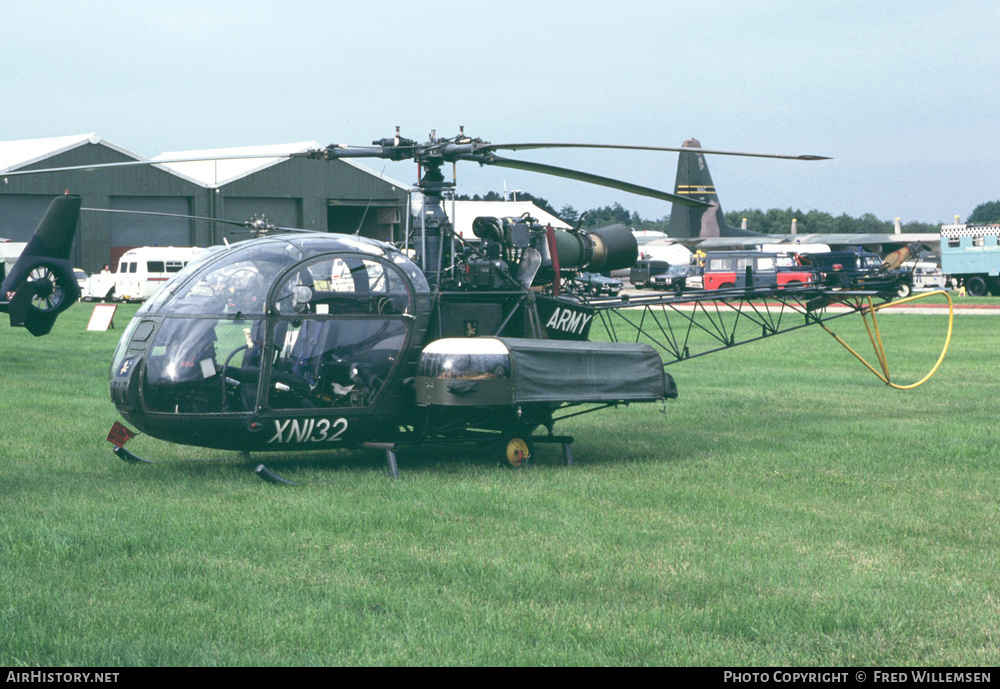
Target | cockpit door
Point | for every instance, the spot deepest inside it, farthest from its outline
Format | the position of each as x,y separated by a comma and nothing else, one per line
339,329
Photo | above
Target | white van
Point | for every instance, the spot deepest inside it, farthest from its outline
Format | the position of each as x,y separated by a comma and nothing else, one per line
9,253
144,270
99,287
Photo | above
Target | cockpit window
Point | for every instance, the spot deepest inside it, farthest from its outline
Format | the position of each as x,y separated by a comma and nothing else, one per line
276,324
238,283
333,362
344,285
341,329
203,365
416,275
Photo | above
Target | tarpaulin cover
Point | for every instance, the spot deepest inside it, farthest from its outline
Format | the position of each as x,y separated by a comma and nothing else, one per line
563,371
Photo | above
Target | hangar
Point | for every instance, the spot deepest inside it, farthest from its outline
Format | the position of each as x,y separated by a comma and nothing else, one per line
325,195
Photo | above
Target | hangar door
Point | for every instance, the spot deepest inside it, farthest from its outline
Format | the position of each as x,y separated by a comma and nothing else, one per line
130,231
21,213
373,221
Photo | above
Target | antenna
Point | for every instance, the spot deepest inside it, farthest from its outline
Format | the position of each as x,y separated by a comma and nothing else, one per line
364,215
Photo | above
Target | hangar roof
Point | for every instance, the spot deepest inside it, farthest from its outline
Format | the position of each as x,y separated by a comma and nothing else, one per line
216,173
17,154
208,173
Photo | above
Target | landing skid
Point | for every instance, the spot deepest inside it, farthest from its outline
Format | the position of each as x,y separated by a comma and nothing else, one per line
130,457
272,477
262,471
390,450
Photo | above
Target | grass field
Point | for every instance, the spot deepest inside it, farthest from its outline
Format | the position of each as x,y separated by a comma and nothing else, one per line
787,509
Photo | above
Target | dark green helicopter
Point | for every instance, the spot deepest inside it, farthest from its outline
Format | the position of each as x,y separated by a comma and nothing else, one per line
317,341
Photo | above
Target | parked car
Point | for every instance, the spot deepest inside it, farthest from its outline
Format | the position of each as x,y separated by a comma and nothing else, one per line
855,269
842,268
644,270
741,269
695,279
928,276
595,284
676,278
99,287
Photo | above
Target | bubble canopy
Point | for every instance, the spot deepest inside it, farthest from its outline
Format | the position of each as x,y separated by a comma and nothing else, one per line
278,323
240,278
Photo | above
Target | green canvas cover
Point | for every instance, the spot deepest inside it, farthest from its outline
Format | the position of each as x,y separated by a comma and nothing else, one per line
564,371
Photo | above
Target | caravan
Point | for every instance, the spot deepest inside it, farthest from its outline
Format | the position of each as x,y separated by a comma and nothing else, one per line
144,270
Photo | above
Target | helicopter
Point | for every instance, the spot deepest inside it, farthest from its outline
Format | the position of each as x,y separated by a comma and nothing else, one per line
41,284
317,341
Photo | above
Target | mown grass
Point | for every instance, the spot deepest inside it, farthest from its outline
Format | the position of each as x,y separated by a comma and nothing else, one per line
787,509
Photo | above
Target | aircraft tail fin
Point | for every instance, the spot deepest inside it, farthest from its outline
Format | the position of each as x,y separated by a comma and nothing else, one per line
695,181
41,285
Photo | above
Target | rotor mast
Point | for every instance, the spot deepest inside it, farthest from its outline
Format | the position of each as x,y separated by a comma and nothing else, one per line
435,228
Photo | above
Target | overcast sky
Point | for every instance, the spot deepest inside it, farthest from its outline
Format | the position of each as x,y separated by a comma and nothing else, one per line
902,95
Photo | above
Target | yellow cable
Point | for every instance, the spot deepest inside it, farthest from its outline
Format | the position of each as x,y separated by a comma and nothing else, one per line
880,347
876,338
876,341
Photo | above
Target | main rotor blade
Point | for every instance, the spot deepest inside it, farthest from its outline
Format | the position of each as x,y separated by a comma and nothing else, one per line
248,224
669,149
165,215
132,163
586,177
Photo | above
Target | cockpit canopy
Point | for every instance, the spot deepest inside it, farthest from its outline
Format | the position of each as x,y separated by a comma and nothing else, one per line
246,277
280,322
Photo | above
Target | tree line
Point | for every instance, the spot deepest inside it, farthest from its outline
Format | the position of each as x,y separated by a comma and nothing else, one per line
985,214
773,221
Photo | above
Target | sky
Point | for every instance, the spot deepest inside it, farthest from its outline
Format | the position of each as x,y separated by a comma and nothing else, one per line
903,96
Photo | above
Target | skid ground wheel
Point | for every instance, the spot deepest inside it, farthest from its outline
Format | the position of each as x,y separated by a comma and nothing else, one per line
516,450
